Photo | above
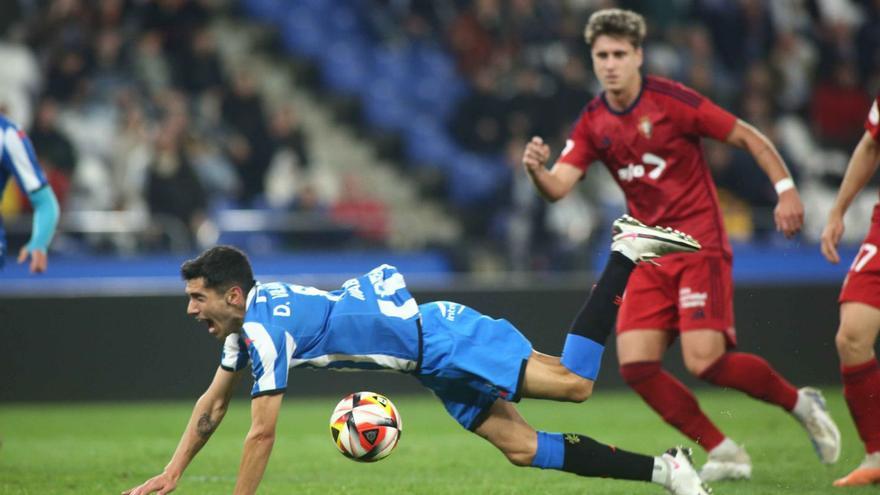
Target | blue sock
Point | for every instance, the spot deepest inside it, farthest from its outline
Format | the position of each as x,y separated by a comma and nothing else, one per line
582,356
551,451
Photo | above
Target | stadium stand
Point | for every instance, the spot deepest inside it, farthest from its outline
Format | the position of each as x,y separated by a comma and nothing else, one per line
172,124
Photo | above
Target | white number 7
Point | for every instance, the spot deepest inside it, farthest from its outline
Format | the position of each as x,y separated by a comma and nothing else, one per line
866,252
652,159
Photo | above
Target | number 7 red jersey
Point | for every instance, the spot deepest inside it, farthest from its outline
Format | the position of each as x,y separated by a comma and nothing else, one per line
653,151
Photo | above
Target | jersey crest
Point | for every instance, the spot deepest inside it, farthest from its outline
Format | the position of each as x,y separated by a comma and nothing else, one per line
645,127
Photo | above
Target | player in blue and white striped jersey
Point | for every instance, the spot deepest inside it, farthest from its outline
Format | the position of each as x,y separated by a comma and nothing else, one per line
476,365
18,160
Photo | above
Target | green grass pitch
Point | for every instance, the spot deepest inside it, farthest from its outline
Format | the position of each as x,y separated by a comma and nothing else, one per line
107,447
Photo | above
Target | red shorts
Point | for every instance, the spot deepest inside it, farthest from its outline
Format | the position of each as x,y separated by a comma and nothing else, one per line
687,292
862,282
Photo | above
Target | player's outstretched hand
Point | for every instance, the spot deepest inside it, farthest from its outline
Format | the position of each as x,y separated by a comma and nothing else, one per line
789,213
535,155
39,259
161,484
831,237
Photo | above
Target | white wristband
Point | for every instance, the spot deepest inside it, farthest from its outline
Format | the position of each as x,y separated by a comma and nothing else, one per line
783,185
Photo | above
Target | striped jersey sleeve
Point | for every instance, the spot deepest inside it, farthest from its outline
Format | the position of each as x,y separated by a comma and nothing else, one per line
234,356
268,347
17,155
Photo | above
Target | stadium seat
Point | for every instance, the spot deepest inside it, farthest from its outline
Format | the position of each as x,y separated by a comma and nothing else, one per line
427,143
302,33
474,178
265,10
384,108
345,68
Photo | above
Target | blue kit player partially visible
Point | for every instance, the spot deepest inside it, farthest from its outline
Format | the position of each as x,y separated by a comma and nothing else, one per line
476,365
18,160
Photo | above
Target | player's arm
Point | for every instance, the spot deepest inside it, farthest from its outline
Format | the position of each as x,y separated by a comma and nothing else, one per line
258,443
553,184
206,416
22,160
862,166
789,212
46,212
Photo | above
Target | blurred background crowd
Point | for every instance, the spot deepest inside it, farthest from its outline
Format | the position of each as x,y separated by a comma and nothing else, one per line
163,126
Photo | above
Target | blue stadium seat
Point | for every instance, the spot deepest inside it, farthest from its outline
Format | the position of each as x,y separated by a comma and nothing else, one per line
475,178
345,68
391,63
426,142
303,34
384,108
265,10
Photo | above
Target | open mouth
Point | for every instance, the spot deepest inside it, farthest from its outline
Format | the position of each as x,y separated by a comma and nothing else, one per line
210,324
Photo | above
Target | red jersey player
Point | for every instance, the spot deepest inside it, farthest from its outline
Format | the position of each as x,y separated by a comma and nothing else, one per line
647,132
860,305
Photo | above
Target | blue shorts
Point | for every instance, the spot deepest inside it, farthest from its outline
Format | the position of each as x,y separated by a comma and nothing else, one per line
470,360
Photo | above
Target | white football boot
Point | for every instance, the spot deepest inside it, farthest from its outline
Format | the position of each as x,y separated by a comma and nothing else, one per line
639,242
812,413
727,463
683,478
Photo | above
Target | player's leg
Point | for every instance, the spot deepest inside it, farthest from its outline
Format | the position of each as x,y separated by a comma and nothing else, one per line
706,322
570,452
705,356
545,377
639,353
633,242
856,336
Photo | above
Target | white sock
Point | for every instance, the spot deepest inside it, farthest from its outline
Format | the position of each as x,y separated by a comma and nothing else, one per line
661,472
727,446
802,406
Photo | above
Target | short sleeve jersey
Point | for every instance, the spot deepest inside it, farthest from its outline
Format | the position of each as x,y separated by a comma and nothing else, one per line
18,159
872,122
369,324
654,153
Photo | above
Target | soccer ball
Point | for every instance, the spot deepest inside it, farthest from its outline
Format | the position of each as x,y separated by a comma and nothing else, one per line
365,426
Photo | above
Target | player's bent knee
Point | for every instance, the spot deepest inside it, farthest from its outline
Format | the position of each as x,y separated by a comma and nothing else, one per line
851,344
580,389
696,366
519,458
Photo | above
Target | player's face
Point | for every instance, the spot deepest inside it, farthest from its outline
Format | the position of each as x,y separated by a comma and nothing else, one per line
213,308
616,63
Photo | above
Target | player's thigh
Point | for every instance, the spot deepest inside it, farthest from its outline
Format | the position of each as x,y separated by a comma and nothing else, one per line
650,299
639,345
506,429
859,326
705,297
546,378
700,348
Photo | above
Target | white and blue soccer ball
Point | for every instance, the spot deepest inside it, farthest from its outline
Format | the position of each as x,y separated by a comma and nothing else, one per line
365,426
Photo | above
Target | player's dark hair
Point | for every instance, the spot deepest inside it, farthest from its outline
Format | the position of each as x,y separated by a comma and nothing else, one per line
222,267
617,23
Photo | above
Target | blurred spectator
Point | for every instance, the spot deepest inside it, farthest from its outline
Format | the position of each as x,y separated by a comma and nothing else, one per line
525,237
478,123
173,190
151,67
198,67
287,134
366,214
54,150
835,105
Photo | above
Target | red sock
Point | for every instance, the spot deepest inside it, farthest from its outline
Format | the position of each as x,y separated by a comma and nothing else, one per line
861,387
752,375
672,400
